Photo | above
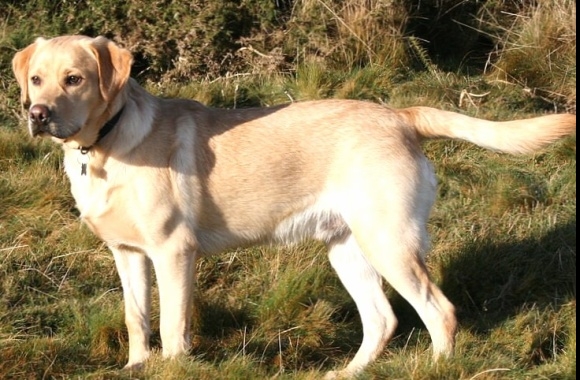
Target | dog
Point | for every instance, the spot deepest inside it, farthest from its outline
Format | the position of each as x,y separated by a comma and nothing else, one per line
166,181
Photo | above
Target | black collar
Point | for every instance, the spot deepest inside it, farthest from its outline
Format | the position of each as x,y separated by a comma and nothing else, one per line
108,127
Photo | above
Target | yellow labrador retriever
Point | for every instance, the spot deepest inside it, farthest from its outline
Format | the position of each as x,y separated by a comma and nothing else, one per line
165,181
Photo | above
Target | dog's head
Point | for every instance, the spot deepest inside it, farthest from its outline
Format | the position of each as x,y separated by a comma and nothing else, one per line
68,85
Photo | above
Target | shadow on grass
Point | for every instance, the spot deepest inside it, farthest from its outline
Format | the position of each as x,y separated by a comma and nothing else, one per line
490,282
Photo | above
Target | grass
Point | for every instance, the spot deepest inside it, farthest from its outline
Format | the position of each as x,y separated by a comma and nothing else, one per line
503,228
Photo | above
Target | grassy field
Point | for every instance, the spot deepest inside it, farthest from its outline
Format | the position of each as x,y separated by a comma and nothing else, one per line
503,228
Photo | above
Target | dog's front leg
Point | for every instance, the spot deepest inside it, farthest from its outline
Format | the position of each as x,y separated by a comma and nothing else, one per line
135,271
175,271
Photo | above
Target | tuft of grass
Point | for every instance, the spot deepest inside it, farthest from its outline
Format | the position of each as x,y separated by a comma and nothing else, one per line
538,50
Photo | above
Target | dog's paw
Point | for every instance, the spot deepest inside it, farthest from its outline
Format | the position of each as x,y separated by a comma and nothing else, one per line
331,375
336,375
135,365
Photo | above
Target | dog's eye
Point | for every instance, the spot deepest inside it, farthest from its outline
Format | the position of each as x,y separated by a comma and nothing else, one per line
73,80
35,79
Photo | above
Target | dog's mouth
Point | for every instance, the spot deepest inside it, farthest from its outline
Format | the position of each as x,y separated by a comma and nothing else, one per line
53,130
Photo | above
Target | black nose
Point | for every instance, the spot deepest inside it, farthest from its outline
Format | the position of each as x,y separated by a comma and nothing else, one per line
39,114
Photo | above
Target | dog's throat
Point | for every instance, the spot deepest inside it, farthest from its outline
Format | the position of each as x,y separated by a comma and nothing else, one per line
108,127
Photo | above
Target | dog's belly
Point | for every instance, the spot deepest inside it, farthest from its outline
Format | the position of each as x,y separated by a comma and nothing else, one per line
310,223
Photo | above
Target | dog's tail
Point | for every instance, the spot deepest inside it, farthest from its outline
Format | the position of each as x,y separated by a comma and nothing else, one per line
515,137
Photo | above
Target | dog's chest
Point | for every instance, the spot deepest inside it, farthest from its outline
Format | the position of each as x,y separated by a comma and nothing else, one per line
104,205
100,208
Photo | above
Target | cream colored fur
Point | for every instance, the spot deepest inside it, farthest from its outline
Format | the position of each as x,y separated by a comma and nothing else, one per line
175,180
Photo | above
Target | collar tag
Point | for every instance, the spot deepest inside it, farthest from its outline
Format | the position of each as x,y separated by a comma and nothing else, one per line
84,160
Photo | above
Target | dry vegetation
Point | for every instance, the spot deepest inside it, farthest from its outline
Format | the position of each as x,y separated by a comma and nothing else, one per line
504,228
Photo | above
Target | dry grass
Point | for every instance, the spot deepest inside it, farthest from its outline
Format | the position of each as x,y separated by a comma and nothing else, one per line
538,51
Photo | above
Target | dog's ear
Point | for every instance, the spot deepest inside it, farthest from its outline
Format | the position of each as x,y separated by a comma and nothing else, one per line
20,68
114,66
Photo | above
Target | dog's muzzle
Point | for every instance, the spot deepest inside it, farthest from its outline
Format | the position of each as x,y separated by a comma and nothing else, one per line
41,122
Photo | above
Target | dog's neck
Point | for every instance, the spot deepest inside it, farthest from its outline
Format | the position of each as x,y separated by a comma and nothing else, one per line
105,129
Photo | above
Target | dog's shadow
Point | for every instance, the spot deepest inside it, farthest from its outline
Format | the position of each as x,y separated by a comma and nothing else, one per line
490,282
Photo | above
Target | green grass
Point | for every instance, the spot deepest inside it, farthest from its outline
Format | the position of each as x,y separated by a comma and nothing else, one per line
503,228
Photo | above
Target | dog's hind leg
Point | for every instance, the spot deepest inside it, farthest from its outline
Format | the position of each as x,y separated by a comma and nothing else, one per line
364,284
404,269
392,234
135,272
